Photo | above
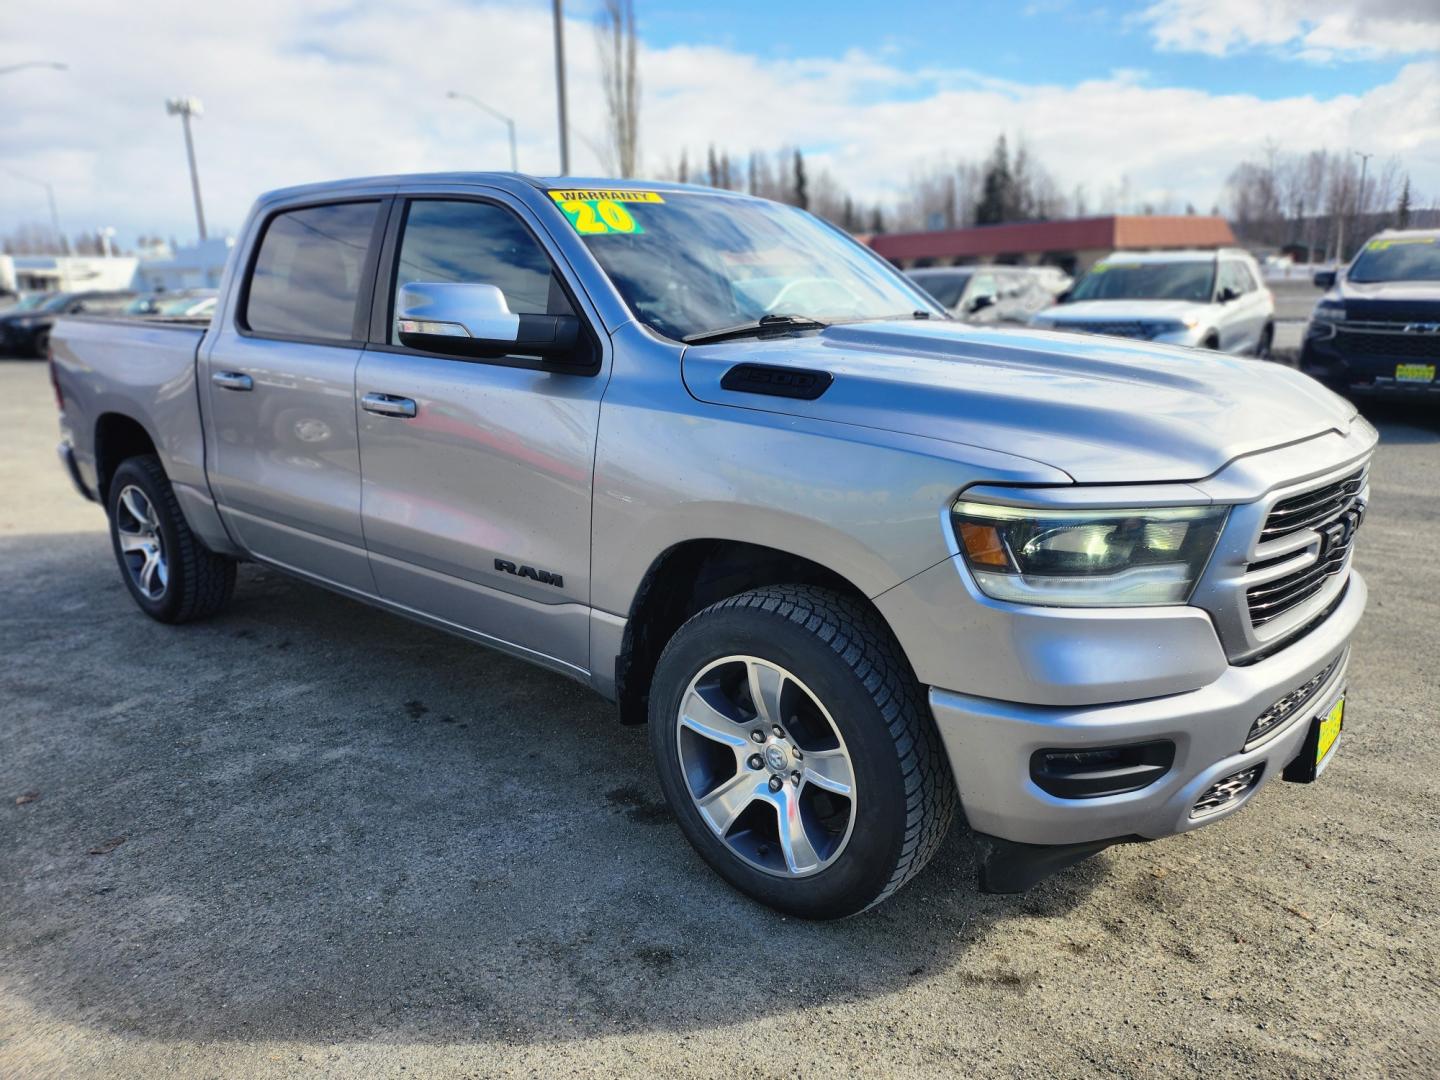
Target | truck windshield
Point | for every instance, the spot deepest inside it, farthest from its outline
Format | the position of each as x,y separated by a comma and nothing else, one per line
1400,258
691,263
1119,280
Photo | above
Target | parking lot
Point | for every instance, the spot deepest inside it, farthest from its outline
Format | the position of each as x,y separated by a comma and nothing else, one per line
311,839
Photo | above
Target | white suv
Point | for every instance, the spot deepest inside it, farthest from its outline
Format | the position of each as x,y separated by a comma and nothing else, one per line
1209,299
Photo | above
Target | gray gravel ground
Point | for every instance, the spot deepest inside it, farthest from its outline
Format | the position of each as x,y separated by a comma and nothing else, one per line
310,839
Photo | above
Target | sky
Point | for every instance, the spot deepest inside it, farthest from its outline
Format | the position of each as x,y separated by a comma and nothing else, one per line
1163,97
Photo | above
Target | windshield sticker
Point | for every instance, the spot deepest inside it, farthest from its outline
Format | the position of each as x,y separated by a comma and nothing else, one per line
593,212
1100,268
1381,245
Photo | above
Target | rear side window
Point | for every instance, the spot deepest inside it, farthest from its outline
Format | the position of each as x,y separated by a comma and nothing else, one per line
477,243
307,275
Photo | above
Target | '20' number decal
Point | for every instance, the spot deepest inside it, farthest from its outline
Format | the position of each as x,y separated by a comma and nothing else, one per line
594,216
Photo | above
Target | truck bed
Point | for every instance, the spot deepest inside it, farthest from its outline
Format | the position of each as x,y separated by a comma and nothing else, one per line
142,370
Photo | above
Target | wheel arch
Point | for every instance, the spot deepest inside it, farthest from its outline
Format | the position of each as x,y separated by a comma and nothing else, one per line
690,576
118,436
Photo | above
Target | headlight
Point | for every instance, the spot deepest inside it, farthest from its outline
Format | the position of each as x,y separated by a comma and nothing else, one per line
1323,319
1087,558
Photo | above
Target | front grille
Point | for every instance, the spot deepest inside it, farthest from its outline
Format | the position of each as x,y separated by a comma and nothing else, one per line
1334,512
1119,328
1273,718
1392,311
1388,343
1222,793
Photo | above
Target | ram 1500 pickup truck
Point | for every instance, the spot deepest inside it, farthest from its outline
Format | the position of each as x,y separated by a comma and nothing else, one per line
856,565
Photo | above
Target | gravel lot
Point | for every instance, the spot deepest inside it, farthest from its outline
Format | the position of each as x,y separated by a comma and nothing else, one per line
311,839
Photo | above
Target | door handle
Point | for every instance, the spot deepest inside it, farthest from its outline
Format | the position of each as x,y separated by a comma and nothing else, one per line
233,380
388,405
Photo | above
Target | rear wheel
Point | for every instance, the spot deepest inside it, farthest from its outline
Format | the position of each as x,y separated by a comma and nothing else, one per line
171,575
796,750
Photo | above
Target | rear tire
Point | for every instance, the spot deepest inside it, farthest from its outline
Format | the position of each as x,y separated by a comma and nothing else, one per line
842,689
171,575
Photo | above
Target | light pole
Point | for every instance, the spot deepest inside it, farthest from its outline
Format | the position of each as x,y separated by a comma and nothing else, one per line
455,95
186,108
49,197
1364,161
558,10
54,65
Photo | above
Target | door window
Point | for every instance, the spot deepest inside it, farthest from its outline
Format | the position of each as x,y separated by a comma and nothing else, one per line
479,243
309,271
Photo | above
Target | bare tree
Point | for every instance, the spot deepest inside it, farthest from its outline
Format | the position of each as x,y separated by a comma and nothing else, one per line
617,42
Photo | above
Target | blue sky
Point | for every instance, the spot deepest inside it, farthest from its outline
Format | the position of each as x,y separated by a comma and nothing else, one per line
1151,104
1055,40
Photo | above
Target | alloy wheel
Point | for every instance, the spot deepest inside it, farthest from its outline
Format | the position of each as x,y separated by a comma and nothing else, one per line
766,766
141,544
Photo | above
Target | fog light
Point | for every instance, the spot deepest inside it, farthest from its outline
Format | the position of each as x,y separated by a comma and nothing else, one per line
1106,770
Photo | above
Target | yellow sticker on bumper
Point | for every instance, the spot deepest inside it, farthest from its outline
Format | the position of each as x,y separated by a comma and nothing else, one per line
1330,730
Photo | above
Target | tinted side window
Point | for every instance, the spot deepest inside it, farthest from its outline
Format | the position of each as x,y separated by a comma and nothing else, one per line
307,275
477,243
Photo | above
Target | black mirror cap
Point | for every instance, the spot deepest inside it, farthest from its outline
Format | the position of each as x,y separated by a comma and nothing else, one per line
1325,279
1064,297
555,339
980,303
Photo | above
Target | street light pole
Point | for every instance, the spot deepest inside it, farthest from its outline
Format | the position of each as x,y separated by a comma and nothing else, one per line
54,65
49,198
455,95
186,108
559,19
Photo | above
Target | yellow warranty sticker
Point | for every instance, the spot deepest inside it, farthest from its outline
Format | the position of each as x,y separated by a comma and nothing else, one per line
1381,245
594,211
1100,268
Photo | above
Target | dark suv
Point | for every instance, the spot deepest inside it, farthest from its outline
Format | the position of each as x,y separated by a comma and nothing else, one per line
27,332
1377,330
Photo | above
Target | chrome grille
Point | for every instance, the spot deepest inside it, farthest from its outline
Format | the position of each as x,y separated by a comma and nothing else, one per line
1334,513
1224,792
1273,718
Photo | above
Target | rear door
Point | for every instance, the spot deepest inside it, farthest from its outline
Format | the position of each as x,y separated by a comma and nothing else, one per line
280,388
476,508
1244,316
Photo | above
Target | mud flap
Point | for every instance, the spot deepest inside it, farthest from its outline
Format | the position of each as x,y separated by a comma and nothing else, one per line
1007,866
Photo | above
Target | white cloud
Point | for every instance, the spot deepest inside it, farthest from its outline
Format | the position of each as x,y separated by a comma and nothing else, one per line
295,93
1319,30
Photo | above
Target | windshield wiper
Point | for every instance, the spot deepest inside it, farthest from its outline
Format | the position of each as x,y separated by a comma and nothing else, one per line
760,325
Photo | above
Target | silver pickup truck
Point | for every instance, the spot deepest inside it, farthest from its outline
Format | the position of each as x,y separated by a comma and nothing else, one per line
856,564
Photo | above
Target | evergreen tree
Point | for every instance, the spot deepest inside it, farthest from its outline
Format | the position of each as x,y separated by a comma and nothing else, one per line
802,195
1402,209
997,197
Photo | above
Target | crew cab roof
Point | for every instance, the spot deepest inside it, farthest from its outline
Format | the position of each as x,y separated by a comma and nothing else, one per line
510,181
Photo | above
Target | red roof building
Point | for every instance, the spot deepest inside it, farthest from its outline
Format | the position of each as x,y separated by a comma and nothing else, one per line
1075,243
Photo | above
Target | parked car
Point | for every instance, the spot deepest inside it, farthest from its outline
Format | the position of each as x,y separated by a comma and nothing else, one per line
1054,279
985,294
27,332
1209,299
1376,331
854,563
181,303
14,303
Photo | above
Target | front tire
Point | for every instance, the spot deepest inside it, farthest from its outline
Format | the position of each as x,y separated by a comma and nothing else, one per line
796,750
171,576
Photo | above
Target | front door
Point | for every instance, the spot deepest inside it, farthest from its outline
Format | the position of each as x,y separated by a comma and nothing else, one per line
476,508
280,388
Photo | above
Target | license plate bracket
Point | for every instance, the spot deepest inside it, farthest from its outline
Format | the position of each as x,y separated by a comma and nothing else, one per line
1319,745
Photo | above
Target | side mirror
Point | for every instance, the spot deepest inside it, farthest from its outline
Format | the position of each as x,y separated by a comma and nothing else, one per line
468,319
1064,297
1227,294
1324,279
980,303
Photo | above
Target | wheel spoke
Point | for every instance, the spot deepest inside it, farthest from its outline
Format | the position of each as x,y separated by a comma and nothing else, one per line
829,769
800,854
147,572
136,505
723,805
703,718
766,683
130,541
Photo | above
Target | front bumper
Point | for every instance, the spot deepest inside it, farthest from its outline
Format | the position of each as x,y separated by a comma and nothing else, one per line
1371,373
990,743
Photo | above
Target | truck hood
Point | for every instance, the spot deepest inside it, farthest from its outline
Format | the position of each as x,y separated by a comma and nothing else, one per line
1083,311
1389,301
1103,410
